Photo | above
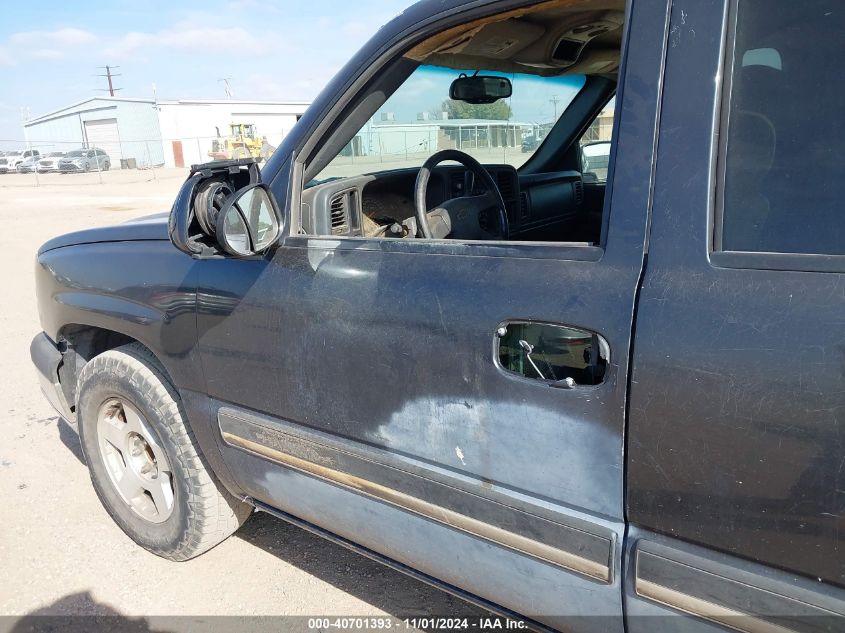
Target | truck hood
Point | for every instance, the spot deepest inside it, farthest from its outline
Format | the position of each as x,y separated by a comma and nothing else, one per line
151,227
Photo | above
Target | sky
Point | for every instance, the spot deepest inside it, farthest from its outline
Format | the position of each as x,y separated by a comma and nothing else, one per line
270,49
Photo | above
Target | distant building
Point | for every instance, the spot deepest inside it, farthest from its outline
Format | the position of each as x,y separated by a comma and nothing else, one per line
602,128
386,137
121,127
145,132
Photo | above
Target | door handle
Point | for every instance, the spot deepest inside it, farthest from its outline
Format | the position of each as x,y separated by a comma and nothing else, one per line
561,356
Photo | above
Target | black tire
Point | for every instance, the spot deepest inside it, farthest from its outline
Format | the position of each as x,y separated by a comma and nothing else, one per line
106,166
204,514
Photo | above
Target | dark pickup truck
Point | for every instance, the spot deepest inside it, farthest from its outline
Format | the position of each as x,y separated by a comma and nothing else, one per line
599,405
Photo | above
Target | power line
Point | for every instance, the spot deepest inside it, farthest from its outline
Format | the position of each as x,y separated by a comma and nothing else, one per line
109,74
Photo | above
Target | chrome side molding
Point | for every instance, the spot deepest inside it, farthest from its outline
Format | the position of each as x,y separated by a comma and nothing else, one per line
732,597
554,543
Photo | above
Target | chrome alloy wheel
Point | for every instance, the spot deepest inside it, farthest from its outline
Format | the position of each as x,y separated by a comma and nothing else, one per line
135,462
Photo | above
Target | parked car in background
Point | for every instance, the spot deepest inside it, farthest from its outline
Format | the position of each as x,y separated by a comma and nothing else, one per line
50,162
28,165
530,143
11,160
85,159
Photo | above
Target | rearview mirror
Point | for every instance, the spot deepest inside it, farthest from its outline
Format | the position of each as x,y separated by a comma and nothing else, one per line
248,223
480,89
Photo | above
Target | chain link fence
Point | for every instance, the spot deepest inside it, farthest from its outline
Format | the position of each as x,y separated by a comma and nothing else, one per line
45,163
378,148
375,148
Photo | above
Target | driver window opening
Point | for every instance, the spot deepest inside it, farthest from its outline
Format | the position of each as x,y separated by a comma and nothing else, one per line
446,156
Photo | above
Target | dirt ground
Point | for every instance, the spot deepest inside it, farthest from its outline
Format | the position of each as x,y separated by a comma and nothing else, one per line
60,554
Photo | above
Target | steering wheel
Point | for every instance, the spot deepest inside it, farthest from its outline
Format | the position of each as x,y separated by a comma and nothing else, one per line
468,217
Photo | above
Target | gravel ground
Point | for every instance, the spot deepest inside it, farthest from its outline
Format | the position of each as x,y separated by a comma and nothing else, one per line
60,553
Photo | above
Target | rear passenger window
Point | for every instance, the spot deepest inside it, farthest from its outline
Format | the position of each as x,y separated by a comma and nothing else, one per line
783,139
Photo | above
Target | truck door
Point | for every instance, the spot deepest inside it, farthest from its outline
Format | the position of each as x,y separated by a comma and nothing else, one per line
456,406
736,489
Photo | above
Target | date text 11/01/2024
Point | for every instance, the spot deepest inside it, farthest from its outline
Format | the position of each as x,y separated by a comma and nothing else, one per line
491,623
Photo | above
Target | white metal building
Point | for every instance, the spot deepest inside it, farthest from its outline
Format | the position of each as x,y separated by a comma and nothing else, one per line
123,128
190,126
145,132
392,138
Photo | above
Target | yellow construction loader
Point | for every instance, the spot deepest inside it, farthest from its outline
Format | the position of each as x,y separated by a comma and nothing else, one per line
242,142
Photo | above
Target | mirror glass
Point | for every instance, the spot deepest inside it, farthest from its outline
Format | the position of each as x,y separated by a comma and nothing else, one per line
249,223
554,353
595,158
480,89
237,235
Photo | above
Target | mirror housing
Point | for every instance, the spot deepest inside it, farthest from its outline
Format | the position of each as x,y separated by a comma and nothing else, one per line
201,200
248,222
480,89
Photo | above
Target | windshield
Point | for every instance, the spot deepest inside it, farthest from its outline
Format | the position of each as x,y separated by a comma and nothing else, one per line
77,152
419,119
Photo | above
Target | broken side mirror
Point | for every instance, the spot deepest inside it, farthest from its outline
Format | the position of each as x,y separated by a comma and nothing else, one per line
222,208
248,223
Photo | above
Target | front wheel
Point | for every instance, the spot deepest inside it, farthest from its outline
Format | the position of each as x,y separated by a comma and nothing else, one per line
106,166
145,463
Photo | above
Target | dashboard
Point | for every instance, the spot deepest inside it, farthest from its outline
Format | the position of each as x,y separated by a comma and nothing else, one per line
357,206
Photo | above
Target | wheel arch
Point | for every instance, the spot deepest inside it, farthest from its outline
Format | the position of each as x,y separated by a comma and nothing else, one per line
82,342
131,377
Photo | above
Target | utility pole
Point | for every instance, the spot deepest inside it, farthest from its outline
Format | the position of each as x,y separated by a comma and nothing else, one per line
555,100
109,74
226,87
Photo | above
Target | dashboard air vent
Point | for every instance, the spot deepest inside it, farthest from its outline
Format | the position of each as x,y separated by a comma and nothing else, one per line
524,208
578,190
339,212
507,186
